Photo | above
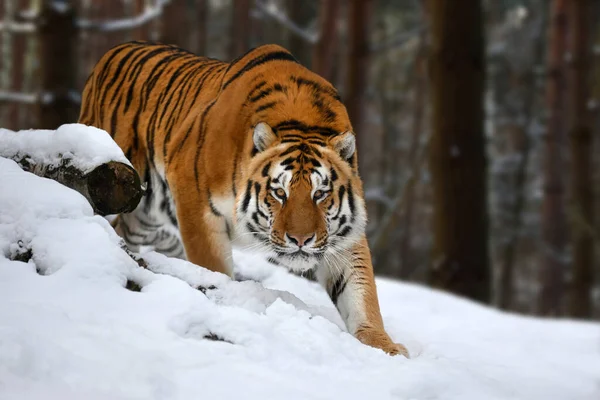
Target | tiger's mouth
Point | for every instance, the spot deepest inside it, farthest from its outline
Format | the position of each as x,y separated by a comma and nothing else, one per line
300,254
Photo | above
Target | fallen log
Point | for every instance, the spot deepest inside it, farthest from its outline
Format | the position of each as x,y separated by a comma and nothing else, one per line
82,158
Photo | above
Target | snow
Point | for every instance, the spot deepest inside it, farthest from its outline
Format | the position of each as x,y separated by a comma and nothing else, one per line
85,147
70,329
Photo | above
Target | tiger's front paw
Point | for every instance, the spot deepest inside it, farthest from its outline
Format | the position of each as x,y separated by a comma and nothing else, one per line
380,340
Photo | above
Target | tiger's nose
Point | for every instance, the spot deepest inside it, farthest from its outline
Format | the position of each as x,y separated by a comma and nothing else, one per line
300,240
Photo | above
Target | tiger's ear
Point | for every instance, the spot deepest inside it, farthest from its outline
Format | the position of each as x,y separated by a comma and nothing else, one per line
263,136
345,144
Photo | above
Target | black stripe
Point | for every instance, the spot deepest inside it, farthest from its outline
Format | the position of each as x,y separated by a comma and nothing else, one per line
257,188
338,288
234,174
247,197
287,161
256,88
265,170
262,59
262,214
265,106
296,125
279,88
273,261
351,200
317,87
261,95
213,209
114,118
334,175
170,248
341,192
345,231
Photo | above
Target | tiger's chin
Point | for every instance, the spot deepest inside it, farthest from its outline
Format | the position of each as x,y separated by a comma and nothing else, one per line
298,262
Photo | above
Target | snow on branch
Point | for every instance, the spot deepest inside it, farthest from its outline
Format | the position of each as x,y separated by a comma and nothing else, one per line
18,27
83,158
276,14
150,13
18,97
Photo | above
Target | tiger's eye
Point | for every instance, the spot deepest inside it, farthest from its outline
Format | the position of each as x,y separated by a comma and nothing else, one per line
280,193
318,194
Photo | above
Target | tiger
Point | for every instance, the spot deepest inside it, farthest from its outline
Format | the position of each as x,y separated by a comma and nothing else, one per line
255,153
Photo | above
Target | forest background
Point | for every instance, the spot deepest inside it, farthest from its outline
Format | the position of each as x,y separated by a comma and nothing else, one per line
477,120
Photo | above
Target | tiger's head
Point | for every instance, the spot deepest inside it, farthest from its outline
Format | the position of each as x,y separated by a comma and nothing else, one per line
302,201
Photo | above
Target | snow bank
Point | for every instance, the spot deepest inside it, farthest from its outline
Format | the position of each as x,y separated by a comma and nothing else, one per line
85,147
73,325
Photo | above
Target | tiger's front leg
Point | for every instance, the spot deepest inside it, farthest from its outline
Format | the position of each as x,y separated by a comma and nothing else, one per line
204,231
351,285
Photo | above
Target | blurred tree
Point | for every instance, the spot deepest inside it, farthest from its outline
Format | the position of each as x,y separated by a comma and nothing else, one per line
240,28
420,90
18,59
357,64
580,138
176,24
301,14
457,150
515,88
322,58
553,222
59,68
201,22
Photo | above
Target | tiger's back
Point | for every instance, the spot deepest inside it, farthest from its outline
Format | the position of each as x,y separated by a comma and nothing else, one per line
132,81
259,150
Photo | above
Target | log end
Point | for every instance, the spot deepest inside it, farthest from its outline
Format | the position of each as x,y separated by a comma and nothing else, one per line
114,188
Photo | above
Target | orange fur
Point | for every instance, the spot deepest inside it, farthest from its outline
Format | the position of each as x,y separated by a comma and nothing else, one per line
213,134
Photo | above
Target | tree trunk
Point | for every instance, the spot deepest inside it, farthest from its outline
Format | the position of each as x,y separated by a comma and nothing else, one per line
420,90
201,28
516,93
324,49
553,219
580,137
58,52
19,42
176,24
355,90
240,28
300,13
457,153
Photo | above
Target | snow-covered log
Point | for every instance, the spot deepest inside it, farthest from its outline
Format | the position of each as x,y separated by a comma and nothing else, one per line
81,157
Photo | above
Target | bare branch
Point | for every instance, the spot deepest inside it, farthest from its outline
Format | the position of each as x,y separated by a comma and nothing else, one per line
274,13
398,41
17,97
150,13
17,27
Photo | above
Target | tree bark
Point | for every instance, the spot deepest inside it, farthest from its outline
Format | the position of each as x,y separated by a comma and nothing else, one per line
553,218
240,28
355,90
580,137
59,68
457,154
324,49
